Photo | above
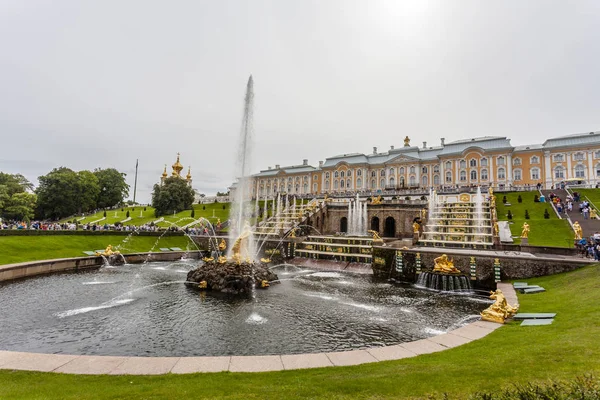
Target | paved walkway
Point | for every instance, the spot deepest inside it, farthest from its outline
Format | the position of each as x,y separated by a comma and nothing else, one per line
76,364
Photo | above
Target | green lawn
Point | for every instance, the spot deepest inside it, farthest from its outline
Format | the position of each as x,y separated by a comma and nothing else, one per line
592,194
29,248
544,232
510,355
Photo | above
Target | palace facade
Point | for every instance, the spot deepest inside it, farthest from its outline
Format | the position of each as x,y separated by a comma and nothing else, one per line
489,161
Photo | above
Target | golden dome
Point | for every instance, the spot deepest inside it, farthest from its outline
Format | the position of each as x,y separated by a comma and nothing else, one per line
189,174
177,167
164,174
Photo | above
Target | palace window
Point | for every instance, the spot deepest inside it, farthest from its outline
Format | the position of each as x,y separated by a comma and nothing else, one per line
578,156
516,161
342,174
306,179
335,184
412,181
412,169
424,170
315,177
336,174
534,160
448,164
327,175
484,162
501,174
342,184
382,183
579,171
382,172
517,176
473,175
463,176
463,164
314,187
484,175
297,188
501,160
436,179
559,173
305,188
473,162
448,177
535,173
290,179
392,171
349,174
597,155
348,184
373,173
359,172
358,183
436,168
326,185
289,189
392,182
424,181
401,171
373,184
558,158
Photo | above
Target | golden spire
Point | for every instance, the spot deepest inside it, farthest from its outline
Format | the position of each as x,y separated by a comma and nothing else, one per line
164,174
189,174
177,167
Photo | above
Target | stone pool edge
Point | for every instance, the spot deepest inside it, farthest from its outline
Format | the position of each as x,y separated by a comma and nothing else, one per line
124,365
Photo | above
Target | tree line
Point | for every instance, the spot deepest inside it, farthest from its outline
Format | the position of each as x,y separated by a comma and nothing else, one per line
61,193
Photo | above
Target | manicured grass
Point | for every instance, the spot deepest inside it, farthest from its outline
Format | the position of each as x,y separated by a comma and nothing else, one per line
510,355
592,194
29,248
543,232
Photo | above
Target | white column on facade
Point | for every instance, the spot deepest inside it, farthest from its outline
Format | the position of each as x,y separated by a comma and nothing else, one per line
549,177
569,173
456,164
509,176
418,172
442,173
491,171
590,174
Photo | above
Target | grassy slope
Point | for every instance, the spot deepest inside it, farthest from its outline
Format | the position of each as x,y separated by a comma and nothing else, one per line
512,354
592,194
16,249
544,232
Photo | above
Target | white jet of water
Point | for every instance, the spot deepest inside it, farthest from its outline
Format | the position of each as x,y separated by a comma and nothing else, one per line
479,213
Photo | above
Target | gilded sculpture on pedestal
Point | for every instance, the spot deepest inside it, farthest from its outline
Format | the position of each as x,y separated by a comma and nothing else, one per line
445,265
500,310
376,238
525,231
376,200
496,230
416,227
578,230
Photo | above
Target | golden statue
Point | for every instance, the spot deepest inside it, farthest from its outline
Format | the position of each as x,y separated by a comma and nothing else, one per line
208,259
222,245
525,231
202,285
491,191
265,260
445,265
407,142
376,200
578,230
376,237
423,212
264,284
292,233
108,252
500,310
496,230
240,246
416,227
593,213
222,260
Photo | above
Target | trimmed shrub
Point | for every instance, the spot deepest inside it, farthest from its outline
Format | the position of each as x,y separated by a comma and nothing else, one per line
127,215
504,200
204,207
104,214
193,214
546,214
224,206
536,199
509,215
526,214
520,199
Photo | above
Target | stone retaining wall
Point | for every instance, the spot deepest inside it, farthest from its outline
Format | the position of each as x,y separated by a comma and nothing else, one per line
512,266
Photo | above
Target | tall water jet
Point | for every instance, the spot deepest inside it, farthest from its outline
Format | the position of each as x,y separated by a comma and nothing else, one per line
242,207
357,217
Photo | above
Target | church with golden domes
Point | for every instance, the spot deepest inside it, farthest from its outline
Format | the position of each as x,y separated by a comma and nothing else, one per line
176,172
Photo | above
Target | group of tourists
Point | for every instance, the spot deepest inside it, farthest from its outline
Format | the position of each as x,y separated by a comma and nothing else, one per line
590,247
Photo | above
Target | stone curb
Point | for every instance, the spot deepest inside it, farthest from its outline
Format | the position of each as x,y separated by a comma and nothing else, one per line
94,365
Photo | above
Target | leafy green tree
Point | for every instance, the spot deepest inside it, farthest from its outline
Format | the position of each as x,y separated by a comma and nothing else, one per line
16,183
57,193
89,189
4,197
173,196
113,188
22,206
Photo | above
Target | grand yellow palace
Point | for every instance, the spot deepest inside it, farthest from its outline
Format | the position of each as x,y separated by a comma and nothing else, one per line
489,161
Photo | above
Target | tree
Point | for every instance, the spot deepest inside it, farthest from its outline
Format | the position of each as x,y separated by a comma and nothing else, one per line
16,183
223,193
113,188
89,189
104,214
173,196
57,193
22,206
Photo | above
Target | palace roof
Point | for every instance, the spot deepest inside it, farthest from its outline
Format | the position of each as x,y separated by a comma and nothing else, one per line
577,139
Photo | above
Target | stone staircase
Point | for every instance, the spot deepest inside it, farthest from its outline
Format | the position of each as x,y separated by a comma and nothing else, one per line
588,226
282,222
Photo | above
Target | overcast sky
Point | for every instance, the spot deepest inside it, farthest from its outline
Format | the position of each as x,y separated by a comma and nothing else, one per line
101,83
